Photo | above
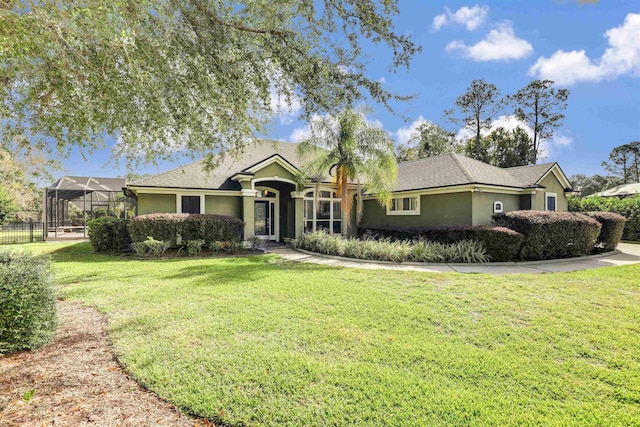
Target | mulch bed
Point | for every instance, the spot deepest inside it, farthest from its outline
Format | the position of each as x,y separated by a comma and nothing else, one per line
75,380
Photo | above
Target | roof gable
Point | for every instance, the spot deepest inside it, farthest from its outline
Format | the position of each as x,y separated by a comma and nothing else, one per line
255,157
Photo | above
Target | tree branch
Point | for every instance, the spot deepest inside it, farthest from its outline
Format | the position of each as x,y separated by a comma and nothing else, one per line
236,26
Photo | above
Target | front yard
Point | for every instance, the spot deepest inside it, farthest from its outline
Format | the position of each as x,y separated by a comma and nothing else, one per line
258,341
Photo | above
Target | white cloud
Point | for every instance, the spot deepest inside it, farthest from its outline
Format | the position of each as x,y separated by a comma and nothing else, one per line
285,110
405,133
300,134
501,44
620,58
470,17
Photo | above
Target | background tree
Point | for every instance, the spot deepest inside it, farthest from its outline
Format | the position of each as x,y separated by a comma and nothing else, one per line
8,207
540,106
588,185
349,149
509,148
23,171
475,110
624,162
191,76
501,148
428,140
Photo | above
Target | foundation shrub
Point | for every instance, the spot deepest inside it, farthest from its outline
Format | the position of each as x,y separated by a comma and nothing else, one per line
500,243
151,247
194,247
108,234
28,316
551,235
385,249
611,232
185,227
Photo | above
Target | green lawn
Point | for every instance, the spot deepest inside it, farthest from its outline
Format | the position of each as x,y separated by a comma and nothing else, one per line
258,341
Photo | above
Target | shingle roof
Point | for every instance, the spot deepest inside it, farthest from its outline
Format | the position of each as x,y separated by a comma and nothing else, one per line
439,171
193,175
454,169
531,174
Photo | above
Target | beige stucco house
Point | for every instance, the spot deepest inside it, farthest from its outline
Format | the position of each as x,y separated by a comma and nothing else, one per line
263,188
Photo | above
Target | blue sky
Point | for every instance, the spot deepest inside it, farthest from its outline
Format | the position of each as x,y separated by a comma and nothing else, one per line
592,48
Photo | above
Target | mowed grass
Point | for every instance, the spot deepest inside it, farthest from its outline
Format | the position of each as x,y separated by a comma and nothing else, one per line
259,341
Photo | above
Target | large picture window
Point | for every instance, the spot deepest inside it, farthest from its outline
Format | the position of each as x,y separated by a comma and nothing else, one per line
404,206
327,215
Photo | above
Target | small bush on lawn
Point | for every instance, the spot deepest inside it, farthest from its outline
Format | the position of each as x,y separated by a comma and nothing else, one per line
27,302
612,227
550,235
151,247
500,243
231,248
109,234
628,208
194,247
169,227
388,250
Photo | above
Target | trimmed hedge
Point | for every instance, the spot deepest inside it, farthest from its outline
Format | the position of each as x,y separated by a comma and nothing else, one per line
500,243
611,231
551,235
167,227
628,208
28,316
108,234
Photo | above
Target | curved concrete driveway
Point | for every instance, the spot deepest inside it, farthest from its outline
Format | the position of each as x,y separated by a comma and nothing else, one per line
626,254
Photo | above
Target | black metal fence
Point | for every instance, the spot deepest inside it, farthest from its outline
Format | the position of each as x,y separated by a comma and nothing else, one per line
21,232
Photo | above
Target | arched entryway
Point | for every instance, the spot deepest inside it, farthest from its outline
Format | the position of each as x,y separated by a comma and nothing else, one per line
274,210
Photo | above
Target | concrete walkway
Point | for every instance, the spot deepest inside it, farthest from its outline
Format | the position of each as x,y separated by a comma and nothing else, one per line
626,254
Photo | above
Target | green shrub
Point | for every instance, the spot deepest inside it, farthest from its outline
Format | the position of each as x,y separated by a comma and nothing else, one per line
27,302
628,208
384,249
151,247
612,227
551,235
500,243
108,234
231,248
194,247
171,227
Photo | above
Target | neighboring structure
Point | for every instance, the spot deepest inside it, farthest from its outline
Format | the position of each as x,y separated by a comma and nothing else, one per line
621,191
262,188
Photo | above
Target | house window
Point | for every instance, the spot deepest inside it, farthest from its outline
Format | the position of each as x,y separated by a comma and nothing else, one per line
498,207
404,206
551,202
326,215
191,204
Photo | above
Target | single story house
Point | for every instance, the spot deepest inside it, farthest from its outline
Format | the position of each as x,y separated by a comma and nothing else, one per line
262,187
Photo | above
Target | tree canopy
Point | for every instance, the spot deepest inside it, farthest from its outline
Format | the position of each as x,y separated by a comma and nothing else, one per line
624,162
540,106
476,108
192,75
428,140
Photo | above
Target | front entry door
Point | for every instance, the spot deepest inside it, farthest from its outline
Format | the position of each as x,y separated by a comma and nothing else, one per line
264,213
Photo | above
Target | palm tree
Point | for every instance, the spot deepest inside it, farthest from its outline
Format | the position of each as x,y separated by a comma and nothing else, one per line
351,150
